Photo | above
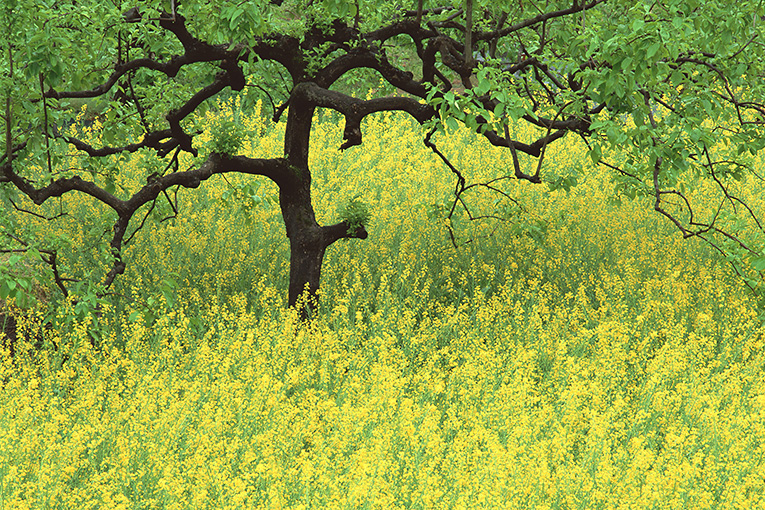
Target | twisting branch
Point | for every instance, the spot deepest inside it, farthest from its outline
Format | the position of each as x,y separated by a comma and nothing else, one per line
354,110
432,146
461,188
731,198
50,257
36,215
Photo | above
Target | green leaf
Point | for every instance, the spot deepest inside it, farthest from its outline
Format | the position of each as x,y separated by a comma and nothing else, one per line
483,86
233,22
596,154
758,263
653,50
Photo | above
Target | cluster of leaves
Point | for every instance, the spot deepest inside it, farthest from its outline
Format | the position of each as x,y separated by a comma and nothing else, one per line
356,213
227,136
17,281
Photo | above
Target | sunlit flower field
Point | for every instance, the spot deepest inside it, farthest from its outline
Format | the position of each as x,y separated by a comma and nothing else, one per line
577,355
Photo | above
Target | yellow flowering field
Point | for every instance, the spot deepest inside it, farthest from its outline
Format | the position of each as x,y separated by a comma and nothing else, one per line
578,355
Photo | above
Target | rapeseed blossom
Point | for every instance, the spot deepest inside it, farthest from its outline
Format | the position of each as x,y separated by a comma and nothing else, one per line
580,356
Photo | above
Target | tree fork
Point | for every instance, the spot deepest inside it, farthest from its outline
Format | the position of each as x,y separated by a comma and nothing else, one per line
308,240
308,244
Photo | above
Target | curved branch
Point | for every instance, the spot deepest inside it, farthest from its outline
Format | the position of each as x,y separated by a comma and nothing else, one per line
408,27
533,149
370,59
166,140
354,110
153,140
62,186
195,51
276,169
342,230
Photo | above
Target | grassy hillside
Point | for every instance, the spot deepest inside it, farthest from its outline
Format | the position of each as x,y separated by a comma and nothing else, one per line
578,355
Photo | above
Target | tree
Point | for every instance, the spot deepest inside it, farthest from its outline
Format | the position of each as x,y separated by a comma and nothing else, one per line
668,94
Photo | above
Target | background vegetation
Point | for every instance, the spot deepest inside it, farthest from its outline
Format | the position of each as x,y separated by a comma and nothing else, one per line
581,355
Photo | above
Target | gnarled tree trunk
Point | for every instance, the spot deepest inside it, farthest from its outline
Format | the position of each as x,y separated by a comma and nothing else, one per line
308,240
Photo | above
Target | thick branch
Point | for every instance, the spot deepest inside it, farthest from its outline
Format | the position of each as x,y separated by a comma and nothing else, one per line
354,110
195,51
62,186
405,27
153,140
275,169
342,230
533,149
371,59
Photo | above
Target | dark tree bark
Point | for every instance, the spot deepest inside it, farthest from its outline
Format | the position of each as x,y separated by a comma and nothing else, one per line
306,244
308,240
